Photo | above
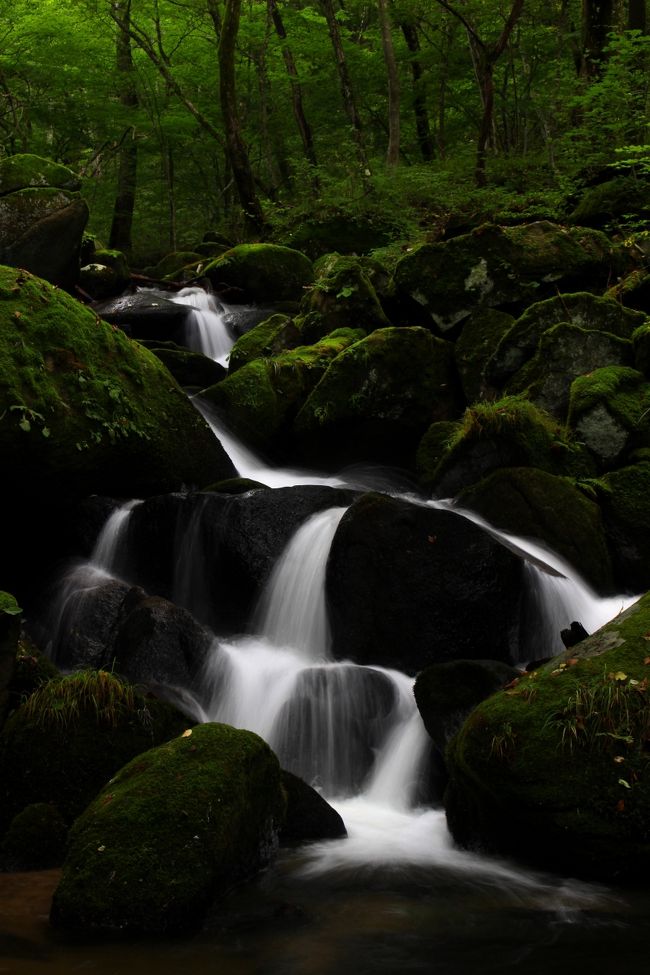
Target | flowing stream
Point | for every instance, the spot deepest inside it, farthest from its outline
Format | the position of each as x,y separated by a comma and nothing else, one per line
395,894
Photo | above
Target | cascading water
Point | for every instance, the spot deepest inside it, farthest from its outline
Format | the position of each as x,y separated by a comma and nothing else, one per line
206,330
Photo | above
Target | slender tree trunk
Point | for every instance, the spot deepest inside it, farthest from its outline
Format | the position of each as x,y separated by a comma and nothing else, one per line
306,136
392,154
237,153
347,92
597,17
171,193
636,15
422,126
122,223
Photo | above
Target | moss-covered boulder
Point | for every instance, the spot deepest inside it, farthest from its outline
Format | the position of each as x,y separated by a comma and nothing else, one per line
260,400
172,832
556,770
612,199
42,218
343,293
584,310
71,735
31,669
86,410
610,412
107,275
500,266
532,503
377,399
271,337
565,352
641,343
511,432
623,496
261,272
317,233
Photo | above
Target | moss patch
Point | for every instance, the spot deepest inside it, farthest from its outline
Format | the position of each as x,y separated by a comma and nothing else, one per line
264,272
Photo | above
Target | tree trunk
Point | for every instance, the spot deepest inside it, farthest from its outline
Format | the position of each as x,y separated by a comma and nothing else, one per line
636,15
347,92
597,17
122,223
422,126
306,136
237,153
392,154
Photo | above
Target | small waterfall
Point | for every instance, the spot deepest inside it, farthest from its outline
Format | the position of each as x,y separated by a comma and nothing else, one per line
109,552
206,330
335,724
292,611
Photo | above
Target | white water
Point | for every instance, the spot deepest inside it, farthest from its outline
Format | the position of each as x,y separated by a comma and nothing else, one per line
206,330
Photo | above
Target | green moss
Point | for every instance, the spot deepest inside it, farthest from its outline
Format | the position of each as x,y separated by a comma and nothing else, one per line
474,347
171,832
67,740
565,754
23,170
8,605
265,272
83,406
343,292
269,338
434,445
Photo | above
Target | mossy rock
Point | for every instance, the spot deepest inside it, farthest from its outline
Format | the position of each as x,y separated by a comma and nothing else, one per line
556,770
433,447
261,272
24,171
343,293
35,839
565,352
32,668
237,485
259,401
511,432
623,496
481,334
609,411
377,399
172,832
322,233
86,410
100,281
535,504
641,343
582,309
612,199
40,231
500,266
10,613
61,746
265,340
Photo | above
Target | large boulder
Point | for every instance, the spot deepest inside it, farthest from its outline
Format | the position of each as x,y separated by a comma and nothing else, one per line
609,410
259,401
556,769
611,200
267,339
583,310
501,266
623,496
473,349
260,273
410,585
532,503
511,432
172,832
146,315
309,816
343,293
377,399
42,218
85,410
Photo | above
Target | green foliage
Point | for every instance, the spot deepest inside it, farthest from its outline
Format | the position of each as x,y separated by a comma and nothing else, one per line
61,701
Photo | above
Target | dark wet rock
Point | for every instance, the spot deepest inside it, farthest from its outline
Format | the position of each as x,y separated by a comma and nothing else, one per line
190,368
35,839
309,816
409,586
146,315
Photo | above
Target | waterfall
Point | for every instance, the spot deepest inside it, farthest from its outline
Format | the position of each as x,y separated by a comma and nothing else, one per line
206,330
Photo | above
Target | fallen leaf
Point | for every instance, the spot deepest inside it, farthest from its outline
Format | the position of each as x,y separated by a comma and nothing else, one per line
624,783
186,734
619,675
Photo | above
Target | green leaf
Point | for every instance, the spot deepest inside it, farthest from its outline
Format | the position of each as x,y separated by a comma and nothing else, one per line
25,425
624,783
